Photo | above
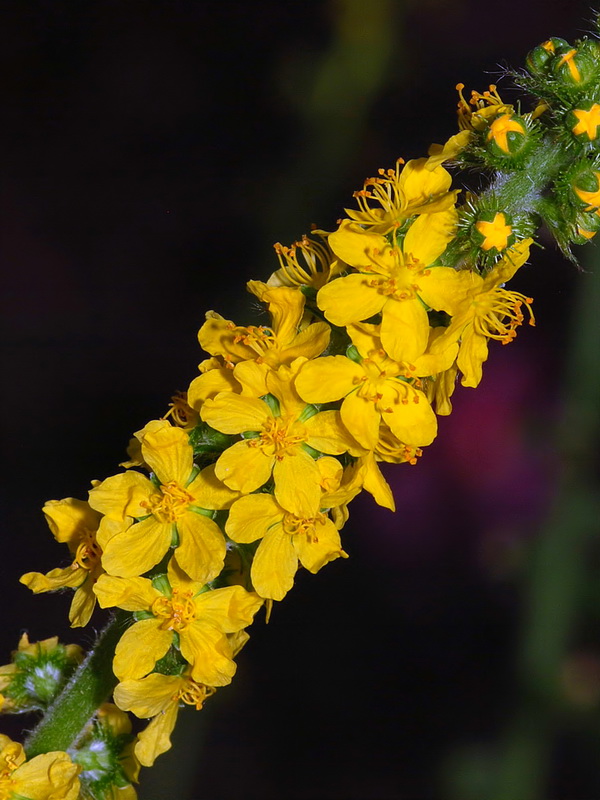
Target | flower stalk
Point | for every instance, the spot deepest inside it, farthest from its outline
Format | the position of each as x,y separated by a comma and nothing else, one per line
248,476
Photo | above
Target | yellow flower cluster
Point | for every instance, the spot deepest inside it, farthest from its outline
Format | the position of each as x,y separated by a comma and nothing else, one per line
368,329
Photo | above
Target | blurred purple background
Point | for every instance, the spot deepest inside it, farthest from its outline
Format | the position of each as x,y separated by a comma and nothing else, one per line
152,153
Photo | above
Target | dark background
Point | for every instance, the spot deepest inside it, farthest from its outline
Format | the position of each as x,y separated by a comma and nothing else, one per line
152,153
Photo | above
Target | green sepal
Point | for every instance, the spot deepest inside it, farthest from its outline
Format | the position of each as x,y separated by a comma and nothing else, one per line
273,403
206,440
353,354
161,584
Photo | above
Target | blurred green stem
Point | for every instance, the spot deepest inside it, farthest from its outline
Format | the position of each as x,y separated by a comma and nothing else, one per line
559,563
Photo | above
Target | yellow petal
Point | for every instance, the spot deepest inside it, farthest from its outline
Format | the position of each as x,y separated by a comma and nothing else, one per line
72,576
232,413
274,565
327,379
350,299
168,453
148,696
280,383
82,605
122,495
433,363
429,235
130,594
327,434
138,548
252,378
471,356
358,247
375,483
309,343
155,739
286,307
411,418
323,547
243,467
419,185
139,648
47,776
251,517
229,609
209,653
68,518
209,492
201,550
365,337
209,384
298,483
404,329
362,419
447,289
510,262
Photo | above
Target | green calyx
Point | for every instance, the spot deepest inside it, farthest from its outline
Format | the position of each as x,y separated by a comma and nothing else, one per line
39,675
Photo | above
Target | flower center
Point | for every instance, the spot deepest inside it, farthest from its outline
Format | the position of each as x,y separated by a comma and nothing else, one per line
257,338
177,611
171,504
280,437
294,525
181,412
498,314
88,552
194,694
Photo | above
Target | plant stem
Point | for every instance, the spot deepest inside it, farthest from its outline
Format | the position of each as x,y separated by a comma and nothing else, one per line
89,687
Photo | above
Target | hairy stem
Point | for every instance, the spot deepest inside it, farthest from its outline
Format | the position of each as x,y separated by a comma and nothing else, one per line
89,687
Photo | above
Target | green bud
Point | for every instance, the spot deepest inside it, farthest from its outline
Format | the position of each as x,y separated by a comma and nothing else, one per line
583,122
507,139
539,59
575,69
353,354
492,231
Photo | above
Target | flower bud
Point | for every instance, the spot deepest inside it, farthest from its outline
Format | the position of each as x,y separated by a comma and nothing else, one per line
575,69
539,58
507,137
583,122
585,227
492,232
585,188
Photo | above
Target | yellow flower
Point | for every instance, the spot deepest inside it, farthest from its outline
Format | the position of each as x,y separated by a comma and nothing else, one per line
419,188
309,262
486,106
159,696
76,524
181,412
280,343
275,441
170,513
50,776
285,540
487,311
199,618
396,283
375,390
